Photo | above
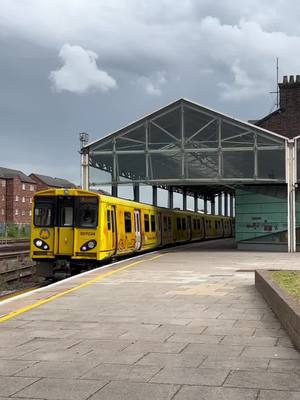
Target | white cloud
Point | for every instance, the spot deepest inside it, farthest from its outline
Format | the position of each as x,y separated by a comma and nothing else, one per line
153,84
80,73
137,37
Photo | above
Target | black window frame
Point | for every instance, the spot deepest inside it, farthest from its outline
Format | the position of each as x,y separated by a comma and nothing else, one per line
47,200
80,203
128,222
108,219
153,223
169,224
146,223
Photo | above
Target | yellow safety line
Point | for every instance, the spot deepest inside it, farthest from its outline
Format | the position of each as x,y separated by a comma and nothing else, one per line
75,288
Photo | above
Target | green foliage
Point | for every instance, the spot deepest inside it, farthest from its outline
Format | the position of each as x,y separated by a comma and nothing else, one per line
15,231
289,281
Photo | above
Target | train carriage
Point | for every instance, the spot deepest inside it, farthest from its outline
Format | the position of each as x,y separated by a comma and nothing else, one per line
73,228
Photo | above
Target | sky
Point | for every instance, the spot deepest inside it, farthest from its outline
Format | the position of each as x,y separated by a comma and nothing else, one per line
69,66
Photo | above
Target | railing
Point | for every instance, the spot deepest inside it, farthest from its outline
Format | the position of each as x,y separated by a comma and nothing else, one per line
10,231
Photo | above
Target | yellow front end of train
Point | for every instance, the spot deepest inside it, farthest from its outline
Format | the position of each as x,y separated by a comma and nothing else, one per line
64,230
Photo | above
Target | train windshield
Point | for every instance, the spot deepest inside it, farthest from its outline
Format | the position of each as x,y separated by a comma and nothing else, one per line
43,211
87,212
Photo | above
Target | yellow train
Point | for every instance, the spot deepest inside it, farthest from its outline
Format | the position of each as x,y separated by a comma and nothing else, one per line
74,228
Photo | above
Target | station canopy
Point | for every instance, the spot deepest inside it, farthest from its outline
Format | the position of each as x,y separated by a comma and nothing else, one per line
187,145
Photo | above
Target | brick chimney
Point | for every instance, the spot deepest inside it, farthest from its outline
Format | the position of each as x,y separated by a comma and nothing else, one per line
285,120
290,94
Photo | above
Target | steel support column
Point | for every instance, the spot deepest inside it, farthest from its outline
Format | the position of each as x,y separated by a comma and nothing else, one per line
114,190
184,199
205,204
226,204
213,206
170,197
154,195
231,205
291,187
195,202
220,208
84,138
136,192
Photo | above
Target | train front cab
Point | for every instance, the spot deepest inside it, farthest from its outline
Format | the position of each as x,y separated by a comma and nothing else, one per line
64,228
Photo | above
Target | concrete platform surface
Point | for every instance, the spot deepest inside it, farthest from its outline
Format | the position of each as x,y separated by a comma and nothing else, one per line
185,323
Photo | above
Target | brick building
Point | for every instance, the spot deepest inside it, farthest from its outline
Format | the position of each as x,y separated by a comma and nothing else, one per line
45,182
16,193
286,119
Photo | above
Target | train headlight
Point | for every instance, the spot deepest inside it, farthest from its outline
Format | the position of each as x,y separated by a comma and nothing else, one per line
91,244
41,244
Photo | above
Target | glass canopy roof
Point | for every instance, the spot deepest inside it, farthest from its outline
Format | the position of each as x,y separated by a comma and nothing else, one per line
185,144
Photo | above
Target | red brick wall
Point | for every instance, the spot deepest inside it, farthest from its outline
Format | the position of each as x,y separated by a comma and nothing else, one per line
287,120
2,200
19,200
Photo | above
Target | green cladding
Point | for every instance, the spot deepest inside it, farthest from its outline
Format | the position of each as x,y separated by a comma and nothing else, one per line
261,214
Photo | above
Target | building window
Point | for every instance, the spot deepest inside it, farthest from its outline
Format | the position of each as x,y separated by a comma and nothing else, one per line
16,212
23,212
2,212
31,188
23,199
30,213
127,220
23,186
146,221
3,197
3,183
153,228
17,198
30,200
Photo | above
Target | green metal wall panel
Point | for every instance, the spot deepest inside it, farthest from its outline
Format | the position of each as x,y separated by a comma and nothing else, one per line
261,214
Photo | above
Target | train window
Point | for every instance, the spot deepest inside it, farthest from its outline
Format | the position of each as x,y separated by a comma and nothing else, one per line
178,224
66,216
108,219
87,212
127,220
165,224
153,223
194,222
209,223
216,224
183,224
169,224
198,223
146,222
112,220
43,211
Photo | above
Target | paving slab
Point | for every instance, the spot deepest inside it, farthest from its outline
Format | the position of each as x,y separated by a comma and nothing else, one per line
62,389
188,324
215,393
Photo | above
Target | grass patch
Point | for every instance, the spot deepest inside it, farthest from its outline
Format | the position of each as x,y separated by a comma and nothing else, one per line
289,281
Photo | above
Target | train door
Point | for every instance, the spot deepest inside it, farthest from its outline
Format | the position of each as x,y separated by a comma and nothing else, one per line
114,228
111,229
189,227
65,230
159,229
137,229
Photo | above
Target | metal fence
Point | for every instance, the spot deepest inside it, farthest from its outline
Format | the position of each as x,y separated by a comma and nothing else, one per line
9,231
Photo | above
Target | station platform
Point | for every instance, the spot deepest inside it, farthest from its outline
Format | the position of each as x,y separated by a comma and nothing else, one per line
183,323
